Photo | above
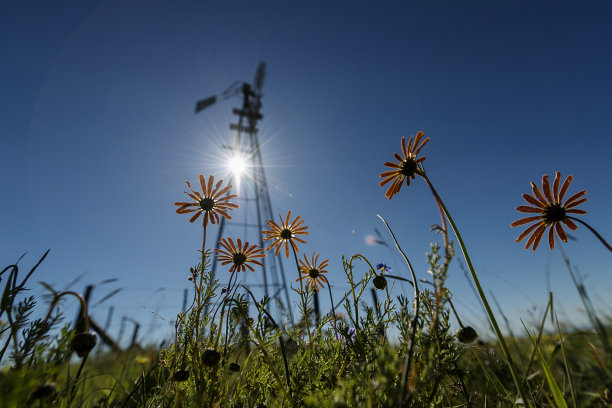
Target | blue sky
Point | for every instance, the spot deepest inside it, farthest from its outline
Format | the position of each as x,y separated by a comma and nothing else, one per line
98,134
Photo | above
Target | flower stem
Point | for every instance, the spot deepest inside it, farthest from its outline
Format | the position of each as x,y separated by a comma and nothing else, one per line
455,312
304,305
332,304
603,241
482,295
415,287
203,245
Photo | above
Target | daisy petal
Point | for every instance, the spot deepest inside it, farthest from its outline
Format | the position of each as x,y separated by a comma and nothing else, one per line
561,232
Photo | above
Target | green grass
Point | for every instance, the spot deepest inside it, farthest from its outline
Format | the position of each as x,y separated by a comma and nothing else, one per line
275,364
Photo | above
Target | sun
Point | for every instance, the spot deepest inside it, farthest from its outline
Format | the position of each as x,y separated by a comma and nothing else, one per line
237,165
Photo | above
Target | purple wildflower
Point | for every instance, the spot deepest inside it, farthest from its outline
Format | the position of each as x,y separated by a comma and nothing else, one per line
382,267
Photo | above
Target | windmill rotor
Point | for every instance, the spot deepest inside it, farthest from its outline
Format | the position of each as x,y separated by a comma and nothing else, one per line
231,91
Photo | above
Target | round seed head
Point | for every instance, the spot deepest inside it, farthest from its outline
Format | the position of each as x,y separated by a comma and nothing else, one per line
235,367
211,357
44,391
83,342
181,375
380,282
466,334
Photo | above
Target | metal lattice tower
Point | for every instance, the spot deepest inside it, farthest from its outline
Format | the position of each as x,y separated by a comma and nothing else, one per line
253,189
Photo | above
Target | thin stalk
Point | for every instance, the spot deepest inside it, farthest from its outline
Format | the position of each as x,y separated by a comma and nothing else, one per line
603,241
304,305
355,298
415,286
332,304
482,295
588,306
566,366
225,301
203,245
455,312
540,331
287,372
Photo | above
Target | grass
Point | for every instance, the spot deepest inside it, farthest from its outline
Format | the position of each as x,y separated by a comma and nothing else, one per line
229,350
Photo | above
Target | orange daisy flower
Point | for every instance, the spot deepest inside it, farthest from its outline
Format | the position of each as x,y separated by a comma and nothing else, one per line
407,167
551,213
211,202
312,272
240,256
285,233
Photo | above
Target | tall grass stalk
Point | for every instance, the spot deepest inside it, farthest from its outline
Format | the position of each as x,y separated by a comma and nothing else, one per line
483,297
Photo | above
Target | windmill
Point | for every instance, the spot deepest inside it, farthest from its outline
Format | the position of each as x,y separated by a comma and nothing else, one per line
246,153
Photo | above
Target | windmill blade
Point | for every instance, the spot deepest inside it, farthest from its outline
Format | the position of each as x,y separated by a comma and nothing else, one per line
259,77
232,90
205,103
110,295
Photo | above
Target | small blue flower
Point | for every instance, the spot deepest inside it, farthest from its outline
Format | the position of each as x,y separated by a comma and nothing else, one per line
347,334
382,267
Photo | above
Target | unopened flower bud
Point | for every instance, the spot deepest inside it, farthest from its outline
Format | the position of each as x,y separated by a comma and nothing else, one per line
211,357
466,334
181,375
380,282
44,391
83,342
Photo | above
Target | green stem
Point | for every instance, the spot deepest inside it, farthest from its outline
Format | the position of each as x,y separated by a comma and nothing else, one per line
603,241
332,304
355,299
482,295
304,305
415,319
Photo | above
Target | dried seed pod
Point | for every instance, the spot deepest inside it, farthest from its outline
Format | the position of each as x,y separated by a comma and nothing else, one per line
211,357
466,334
181,375
235,367
83,342
44,391
380,282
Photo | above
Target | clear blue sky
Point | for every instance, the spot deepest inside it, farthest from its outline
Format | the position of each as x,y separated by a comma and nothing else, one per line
97,133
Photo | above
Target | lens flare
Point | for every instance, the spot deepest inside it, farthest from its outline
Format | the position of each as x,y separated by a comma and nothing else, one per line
237,165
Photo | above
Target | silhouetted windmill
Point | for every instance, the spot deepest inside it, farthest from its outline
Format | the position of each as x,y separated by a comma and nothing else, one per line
254,188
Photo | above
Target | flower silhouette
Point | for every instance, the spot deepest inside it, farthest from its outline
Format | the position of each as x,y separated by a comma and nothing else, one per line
211,202
313,272
285,233
239,255
550,212
407,166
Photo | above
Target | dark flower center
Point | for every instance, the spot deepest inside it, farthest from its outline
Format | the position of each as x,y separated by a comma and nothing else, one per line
286,234
554,213
239,258
313,273
409,167
207,203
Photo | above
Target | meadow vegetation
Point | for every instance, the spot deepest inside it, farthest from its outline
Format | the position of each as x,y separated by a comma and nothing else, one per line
232,349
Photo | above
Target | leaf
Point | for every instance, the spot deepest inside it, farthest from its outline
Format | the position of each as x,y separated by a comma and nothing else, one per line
552,383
